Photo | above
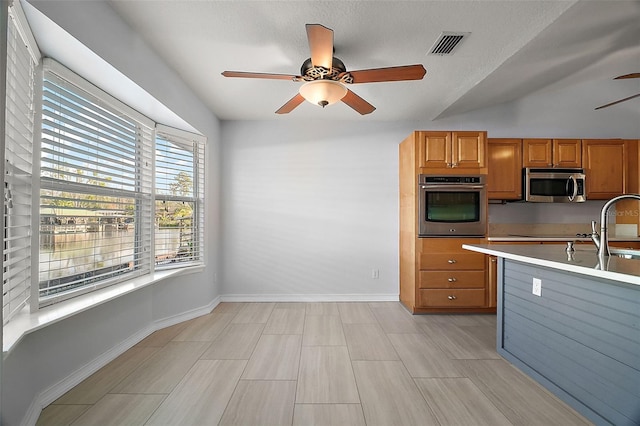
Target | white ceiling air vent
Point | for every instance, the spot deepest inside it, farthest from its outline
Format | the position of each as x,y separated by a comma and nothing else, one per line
446,43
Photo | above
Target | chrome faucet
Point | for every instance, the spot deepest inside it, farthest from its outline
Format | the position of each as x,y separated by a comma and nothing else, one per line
602,241
595,237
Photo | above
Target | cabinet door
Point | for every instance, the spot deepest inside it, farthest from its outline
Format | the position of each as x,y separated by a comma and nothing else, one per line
567,153
605,167
537,153
492,281
434,150
504,180
469,150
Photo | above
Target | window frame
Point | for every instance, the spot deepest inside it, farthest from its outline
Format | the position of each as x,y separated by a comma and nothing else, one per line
145,197
195,143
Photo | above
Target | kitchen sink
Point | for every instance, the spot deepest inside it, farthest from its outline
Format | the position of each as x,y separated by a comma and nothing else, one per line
625,253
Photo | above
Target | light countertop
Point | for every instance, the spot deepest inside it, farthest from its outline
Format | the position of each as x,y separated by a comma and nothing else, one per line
583,260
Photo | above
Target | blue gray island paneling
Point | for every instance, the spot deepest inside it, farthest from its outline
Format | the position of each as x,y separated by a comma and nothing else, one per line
581,337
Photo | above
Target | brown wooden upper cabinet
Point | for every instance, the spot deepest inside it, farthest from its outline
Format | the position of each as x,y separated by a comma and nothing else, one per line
561,153
606,167
504,181
452,152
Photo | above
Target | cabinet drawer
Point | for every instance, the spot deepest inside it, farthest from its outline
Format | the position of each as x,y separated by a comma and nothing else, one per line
452,279
448,261
445,298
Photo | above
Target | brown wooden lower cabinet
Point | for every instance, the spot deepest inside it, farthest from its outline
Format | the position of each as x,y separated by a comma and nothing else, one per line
447,278
492,280
452,279
453,298
625,244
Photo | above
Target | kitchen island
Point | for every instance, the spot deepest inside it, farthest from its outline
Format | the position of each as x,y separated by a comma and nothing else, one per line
572,323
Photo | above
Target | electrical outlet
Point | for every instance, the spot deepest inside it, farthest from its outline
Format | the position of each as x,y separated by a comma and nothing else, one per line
375,274
537,287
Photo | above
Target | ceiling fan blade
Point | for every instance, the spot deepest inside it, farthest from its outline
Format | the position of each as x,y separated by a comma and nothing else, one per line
291,104
357,103
617,102
405,72
321,45
632,75
243,74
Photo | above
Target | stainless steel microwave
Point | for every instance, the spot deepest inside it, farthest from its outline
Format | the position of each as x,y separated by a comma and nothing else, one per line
554,185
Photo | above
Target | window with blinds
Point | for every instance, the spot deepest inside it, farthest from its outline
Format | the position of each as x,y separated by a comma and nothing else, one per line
119,195
96,190
179,190
19,127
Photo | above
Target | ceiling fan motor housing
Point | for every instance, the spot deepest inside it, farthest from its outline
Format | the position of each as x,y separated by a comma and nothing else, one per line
309,72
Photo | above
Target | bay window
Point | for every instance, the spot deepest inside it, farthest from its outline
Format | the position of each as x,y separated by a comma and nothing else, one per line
95,193
118,197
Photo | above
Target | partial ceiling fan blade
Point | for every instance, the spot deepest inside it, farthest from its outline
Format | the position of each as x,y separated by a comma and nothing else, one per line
617,102
357,103
291,104
321,45
632,75
405,72
243,74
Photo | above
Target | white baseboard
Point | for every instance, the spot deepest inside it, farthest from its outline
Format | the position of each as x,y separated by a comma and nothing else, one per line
55,391
310,298
186,316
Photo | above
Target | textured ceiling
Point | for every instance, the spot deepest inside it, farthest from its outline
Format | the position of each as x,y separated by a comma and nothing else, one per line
515,48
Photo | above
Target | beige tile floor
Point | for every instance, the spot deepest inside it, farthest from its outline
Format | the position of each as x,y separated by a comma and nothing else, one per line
252,364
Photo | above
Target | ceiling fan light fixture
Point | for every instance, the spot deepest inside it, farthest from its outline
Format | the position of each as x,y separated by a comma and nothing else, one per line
323,92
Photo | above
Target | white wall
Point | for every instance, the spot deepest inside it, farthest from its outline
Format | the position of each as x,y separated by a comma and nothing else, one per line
309,209
39,365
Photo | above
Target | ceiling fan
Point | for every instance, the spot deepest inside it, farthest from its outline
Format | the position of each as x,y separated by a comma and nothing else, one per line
325,75
623,77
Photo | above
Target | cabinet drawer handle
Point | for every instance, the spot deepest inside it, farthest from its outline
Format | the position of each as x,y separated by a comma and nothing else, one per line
451,297
451,261
452,280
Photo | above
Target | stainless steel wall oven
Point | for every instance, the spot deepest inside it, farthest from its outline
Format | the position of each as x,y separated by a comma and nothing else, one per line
452,206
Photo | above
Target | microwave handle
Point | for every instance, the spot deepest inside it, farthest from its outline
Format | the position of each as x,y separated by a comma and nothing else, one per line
575,187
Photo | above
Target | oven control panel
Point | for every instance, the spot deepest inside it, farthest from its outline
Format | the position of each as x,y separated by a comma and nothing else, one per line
451,180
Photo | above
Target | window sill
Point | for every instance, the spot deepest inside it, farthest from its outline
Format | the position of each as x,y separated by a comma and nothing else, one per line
25,322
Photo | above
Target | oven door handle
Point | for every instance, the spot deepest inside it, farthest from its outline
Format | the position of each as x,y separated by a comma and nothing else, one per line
453,187
575,188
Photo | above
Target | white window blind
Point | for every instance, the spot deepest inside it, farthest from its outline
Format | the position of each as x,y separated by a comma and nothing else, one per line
179,192
19,128
96,188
